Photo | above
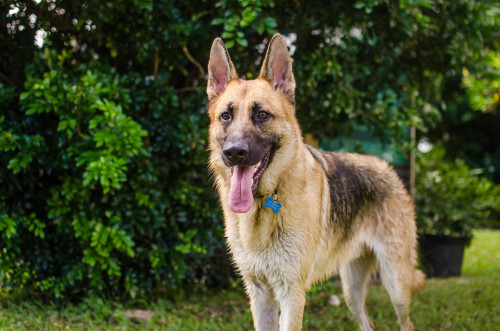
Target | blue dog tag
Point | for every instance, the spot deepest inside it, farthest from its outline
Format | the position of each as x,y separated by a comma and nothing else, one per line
270,203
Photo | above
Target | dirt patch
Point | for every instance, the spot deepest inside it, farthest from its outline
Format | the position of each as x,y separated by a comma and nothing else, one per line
142,315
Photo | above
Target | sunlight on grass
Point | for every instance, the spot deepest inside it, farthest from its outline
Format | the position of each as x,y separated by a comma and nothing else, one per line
483,256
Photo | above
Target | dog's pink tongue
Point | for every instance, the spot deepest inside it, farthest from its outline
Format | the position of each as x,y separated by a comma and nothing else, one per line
240,193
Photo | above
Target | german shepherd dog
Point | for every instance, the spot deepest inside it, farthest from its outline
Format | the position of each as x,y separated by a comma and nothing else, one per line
293,214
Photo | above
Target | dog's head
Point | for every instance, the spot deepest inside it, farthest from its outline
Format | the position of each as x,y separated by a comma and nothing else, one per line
252,122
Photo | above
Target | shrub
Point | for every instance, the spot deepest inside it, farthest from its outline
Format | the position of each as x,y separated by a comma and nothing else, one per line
86,205
451,198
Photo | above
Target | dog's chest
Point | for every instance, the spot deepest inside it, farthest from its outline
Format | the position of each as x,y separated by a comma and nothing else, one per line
262,245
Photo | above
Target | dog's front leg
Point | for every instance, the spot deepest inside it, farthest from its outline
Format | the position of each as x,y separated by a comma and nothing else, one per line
265,309
291,301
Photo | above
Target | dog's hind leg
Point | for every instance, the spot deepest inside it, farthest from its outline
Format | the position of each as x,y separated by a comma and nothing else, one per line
397,278
265,309
355,276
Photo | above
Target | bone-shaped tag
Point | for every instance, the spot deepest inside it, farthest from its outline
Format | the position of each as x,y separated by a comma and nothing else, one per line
270,203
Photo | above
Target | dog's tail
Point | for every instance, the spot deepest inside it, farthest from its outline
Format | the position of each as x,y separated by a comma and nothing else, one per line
418,281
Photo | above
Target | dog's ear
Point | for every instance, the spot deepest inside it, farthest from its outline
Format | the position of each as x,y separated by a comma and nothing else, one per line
277,67
220,69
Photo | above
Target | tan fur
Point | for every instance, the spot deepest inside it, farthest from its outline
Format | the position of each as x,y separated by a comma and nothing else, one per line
281,255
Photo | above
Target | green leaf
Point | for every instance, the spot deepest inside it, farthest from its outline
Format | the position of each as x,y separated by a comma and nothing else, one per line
242,42
359,5
261,28
218,21
270,22
62,125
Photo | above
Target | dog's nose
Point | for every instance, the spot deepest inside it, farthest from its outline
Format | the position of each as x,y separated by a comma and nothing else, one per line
236,153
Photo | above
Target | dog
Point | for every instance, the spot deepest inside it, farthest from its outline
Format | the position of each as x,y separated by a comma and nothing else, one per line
295,215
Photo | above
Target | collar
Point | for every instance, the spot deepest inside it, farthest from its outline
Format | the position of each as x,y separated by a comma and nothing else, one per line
275,196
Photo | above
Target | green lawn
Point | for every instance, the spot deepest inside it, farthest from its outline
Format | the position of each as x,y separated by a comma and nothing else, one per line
469,302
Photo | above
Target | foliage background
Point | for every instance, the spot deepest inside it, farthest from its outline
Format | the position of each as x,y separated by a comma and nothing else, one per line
103,127
451,198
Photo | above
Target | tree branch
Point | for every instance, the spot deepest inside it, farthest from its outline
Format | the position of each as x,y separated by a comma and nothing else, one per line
7,80
156,64
193,61
368,116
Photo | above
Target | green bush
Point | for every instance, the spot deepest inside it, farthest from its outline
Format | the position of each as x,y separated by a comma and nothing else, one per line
451,198
87,205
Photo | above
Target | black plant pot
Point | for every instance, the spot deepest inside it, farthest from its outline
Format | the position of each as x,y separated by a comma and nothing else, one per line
441,255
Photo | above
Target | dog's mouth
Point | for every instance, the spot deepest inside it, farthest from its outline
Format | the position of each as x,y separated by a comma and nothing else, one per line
258,171
245,182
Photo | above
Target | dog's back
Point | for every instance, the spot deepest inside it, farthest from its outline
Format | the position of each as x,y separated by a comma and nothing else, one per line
369,207
356,182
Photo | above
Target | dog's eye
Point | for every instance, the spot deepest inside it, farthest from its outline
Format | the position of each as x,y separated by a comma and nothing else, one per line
225,116
262,115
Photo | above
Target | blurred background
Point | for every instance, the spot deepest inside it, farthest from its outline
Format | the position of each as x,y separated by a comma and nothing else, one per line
103,126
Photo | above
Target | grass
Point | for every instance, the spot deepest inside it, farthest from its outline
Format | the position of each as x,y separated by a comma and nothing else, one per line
469,302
